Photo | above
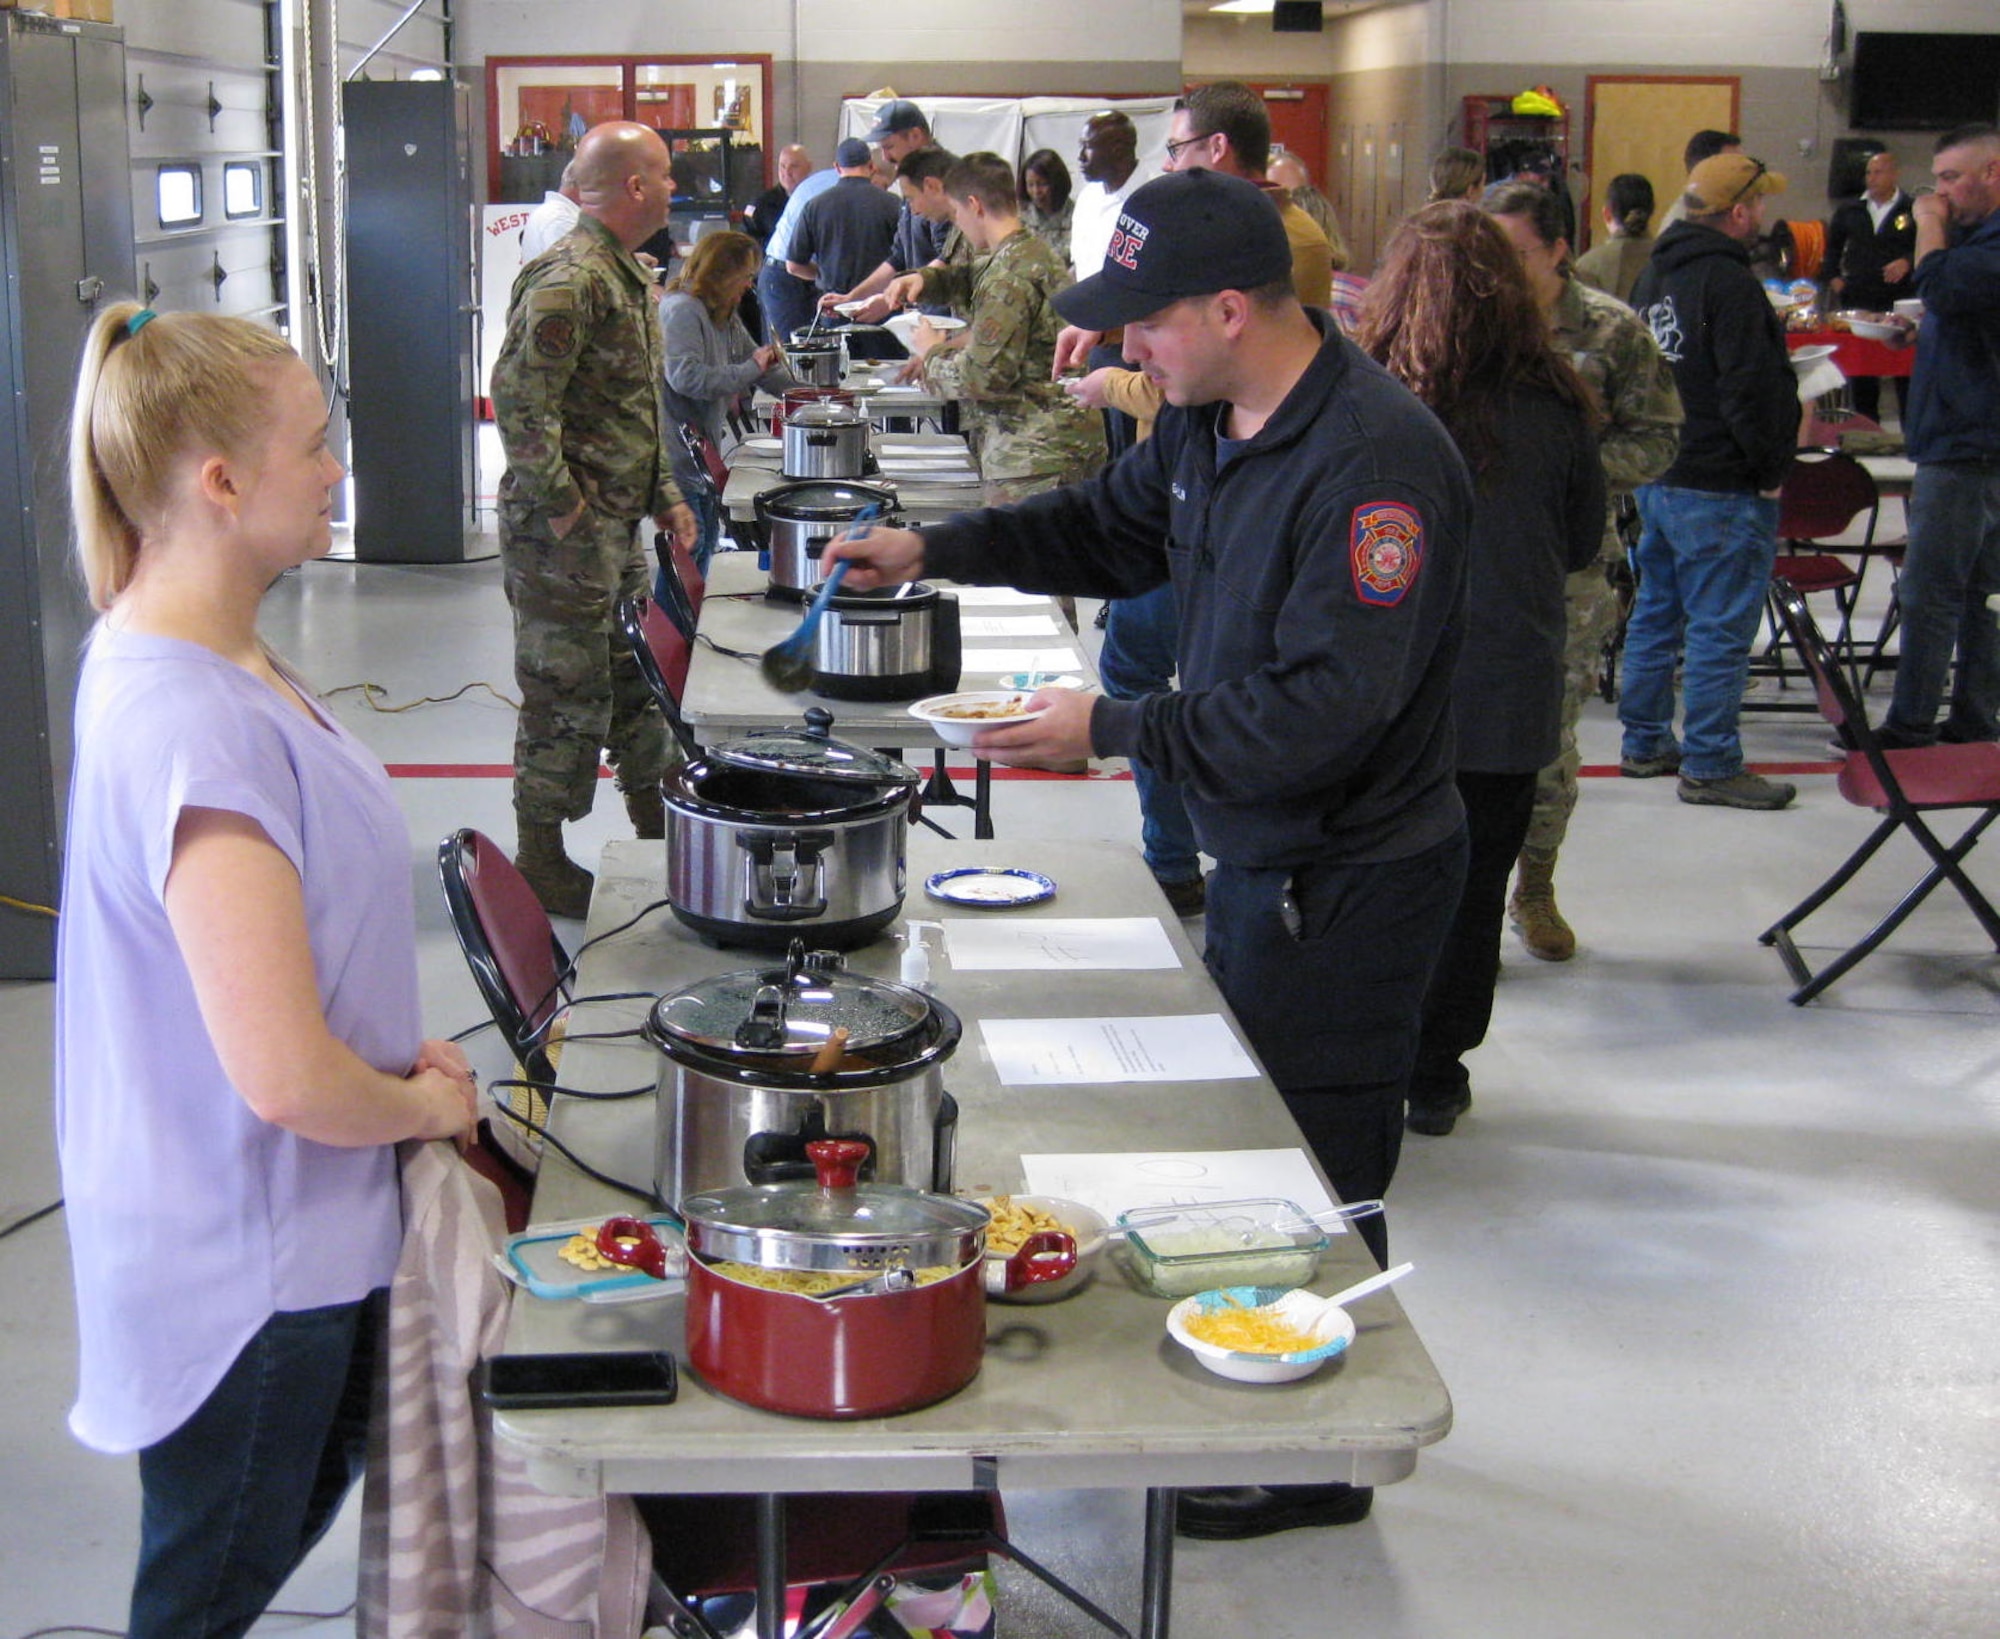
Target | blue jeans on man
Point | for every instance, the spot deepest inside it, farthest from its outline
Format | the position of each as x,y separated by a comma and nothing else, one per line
1704,559
1951,571
1140,637
788,302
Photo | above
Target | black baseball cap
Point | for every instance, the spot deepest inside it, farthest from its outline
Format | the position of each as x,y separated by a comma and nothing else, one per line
1188,233
900,115
852,154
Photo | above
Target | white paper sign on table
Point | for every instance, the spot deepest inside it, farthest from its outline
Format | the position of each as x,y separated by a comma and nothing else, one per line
981,662
969,595
1167,1047
1115,1183
1006,625
990,944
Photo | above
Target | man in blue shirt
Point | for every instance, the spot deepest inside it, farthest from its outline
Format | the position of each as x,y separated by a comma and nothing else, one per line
787,302
1952,428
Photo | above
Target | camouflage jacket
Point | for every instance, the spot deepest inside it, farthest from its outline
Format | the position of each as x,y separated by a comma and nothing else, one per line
1020,422
1614,351
576,388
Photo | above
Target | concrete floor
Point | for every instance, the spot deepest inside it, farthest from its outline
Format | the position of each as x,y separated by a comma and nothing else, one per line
1713,1280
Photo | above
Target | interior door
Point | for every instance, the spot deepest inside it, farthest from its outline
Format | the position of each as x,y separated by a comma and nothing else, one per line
1641,122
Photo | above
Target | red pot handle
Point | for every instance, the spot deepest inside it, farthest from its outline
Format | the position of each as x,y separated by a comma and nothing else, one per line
1046,1255
632,1244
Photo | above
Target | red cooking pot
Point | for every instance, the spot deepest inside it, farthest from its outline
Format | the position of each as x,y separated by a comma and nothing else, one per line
795,398
885,1331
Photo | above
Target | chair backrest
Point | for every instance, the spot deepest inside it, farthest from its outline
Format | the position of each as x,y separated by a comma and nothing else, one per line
1838,702
1823,493
683,607
516,959
664,655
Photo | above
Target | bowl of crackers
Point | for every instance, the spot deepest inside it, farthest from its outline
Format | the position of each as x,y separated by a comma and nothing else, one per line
1016,1217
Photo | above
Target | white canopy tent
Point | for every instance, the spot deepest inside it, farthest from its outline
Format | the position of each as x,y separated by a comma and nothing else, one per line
1015,127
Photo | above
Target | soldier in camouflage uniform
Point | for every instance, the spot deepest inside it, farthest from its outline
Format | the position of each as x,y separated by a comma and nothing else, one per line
1028,434
576,396
1614,351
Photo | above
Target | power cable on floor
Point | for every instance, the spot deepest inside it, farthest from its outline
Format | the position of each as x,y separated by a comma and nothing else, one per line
28,905
120,1633
34,1217
369,693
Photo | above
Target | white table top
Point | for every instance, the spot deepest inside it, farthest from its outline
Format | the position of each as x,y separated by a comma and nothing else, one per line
1088,1392
756,468
726,696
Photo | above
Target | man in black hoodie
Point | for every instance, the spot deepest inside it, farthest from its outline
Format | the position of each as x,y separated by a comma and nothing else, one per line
1710,522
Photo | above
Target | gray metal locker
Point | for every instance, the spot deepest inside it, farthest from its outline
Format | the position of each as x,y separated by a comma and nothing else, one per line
65,246
409,320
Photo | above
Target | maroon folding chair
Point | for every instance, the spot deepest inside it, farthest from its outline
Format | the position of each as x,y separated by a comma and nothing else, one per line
664,653
1823,493
1903,786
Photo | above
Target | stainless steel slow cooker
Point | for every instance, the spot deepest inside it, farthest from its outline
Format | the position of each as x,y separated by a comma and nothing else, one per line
825,441
788,832
891,643
795,521
817,357
740,1100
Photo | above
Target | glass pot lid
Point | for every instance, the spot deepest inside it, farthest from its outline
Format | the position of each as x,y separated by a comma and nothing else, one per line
826,415
826,500
793,1010
811,751
834,1222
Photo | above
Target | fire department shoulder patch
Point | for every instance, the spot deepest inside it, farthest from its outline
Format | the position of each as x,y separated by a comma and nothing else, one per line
1385,550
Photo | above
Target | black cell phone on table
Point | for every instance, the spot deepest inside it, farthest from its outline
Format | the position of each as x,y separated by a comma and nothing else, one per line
619,1378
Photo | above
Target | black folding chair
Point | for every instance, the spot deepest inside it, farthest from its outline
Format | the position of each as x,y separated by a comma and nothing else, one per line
1904,786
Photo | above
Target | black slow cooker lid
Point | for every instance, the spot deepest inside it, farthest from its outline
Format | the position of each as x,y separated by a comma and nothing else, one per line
792,1010
826,501
810,751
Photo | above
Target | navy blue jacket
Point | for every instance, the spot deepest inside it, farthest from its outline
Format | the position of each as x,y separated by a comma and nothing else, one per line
1723,341
1953,409
1321,577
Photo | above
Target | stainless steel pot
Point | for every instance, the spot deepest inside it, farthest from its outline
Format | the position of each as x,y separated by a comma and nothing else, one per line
739,1101
825,441
788,832
797,520
817,357
894,643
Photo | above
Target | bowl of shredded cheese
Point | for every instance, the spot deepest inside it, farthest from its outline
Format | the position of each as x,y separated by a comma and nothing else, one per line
1016,1217
1235,1333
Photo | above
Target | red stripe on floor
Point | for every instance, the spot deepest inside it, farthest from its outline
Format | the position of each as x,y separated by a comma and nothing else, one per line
505,771
1609,771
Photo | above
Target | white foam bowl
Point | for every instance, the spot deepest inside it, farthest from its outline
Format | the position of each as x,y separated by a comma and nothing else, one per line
1869,330
1253,1368
1911,308
959,731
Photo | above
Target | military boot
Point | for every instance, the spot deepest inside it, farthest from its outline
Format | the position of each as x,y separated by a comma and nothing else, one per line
562,885
1533,909
647,811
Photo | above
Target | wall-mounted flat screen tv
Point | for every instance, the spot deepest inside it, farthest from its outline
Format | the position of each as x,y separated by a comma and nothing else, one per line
1924,82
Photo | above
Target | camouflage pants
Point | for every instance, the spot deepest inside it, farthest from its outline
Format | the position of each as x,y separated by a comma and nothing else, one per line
581,691
1592,607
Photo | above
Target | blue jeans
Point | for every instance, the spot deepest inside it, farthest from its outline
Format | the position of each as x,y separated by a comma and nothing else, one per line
1704,561
1952,568
236,1497
787,302
1140,636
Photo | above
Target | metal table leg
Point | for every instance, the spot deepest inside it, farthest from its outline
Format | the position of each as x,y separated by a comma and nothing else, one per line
770,1566
1157,1583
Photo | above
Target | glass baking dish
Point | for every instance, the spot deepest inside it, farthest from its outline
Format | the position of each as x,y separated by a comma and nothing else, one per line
1176,1251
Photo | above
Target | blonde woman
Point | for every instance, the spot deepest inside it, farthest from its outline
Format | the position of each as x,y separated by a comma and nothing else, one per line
238,1047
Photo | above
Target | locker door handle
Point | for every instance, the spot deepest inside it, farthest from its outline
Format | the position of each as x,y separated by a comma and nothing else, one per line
88,291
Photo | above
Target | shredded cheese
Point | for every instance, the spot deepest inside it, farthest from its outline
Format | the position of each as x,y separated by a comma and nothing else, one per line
1249,1331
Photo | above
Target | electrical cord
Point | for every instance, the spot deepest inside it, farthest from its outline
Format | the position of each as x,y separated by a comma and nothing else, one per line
34,1217
370,691
120,1633
733,654
650,1197
25,905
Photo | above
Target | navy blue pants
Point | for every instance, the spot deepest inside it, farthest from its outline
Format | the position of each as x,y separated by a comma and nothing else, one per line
1138,658
234,1499
1334,1012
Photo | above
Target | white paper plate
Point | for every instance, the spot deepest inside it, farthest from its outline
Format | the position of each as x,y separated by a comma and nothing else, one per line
990,887
1805,357
903,325
763,444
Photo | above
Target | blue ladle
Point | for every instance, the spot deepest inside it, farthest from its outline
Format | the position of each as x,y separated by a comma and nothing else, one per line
788,666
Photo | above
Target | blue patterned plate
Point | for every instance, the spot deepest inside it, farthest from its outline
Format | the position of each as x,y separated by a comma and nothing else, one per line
989,887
